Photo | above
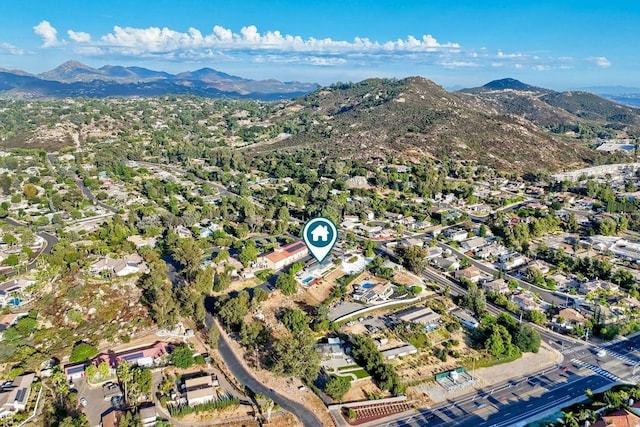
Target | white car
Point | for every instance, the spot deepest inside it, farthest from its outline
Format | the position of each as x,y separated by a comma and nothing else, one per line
602,353
83,401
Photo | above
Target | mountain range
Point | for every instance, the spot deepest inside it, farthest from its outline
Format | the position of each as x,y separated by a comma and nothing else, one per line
73,79
506,124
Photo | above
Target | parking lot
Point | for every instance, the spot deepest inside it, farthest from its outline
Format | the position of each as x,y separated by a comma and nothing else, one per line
97,405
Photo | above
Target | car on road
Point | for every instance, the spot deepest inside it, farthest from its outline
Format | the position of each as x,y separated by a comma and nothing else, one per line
83,401
601,353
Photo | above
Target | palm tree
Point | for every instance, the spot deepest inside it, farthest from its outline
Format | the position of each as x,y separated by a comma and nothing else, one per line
569,419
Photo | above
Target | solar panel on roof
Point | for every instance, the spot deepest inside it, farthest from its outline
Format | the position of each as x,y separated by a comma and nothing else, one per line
295,247
133,356
20,395
75,369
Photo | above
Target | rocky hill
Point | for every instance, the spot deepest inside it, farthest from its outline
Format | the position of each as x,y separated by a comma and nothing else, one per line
555,111
415,117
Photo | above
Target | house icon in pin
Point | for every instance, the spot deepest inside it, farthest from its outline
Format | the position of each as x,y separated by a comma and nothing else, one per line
320,234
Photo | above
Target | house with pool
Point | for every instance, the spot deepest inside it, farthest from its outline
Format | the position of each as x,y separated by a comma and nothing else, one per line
372,289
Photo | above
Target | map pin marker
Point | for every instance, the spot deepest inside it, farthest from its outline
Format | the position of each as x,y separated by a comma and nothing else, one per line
320,234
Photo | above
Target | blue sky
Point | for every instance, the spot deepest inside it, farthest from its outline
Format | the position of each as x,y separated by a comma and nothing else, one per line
561,44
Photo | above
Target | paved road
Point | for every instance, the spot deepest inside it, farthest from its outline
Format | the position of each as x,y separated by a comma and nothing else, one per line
245,377
548,296
508,403
50,241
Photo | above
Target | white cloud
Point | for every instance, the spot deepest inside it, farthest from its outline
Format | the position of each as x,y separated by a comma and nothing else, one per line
600,61
47,32
79,36
541,67
8,48
135,41
459,64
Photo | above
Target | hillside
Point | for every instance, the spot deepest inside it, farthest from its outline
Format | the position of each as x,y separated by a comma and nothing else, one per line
578,111
415,117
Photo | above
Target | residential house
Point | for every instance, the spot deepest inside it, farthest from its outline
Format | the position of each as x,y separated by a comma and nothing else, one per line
412,241
595,285
446,264
471,273
15,398
141,242
402,351
618,418
525,302
450,215
8,320
497,285
370,230
456,234
423,315
377,293
74,371
139,356
473,243
131,264
112,418
148,416
11,288
183,232
332,349
493,250
200,390
434,252
569,317
541,266
511,260
284,256
466,318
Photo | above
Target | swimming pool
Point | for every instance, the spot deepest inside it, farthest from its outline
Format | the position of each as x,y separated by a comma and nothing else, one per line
306,280
15,302
367,285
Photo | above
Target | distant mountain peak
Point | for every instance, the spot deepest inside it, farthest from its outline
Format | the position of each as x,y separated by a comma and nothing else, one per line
509,83
72,64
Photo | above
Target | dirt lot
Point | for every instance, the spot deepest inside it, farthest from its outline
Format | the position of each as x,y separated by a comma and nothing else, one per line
360,390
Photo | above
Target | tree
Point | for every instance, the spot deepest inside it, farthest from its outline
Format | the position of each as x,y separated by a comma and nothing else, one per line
259,295
90,372
414,258
141,381
104,369
296,356
9,239
249,253
189,254
221,282
203,281
295,320
537,317
495,344
83,351
213,336
233,310
337,387
287,284
123,371
30,191
253,334
182,356
527,339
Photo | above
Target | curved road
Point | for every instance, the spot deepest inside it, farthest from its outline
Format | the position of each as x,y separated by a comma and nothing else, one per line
236,367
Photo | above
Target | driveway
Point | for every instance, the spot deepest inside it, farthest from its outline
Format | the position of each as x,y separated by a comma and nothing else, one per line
238,370
97,405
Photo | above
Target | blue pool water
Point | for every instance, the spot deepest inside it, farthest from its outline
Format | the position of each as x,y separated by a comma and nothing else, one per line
306,280
367,285
15,302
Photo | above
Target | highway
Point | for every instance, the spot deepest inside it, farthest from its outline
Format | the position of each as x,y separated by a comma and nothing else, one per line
525,398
